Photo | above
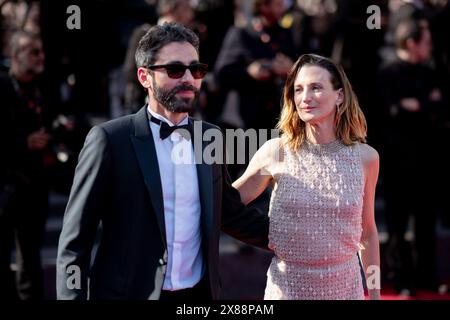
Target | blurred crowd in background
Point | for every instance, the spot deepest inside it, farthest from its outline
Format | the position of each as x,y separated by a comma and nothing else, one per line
56,83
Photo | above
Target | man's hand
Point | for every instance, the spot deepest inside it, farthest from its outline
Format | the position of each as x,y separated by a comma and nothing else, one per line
260,70
281,65
38,140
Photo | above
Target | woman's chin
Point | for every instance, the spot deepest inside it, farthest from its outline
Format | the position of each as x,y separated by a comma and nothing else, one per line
307,118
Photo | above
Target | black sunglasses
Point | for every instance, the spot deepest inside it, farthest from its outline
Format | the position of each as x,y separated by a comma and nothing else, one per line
177,70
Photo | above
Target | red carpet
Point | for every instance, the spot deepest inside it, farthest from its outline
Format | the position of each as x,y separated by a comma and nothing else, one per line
390,294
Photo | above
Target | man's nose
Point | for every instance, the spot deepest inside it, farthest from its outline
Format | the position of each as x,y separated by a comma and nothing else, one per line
187,77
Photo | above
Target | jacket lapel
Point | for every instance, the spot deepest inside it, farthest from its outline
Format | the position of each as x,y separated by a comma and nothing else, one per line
144,147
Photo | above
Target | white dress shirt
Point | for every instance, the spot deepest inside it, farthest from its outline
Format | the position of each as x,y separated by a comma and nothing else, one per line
181,207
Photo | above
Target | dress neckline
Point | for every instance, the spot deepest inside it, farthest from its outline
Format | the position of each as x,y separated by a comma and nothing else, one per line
323,148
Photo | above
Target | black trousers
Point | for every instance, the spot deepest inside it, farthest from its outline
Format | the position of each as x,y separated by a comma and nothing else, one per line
410,191
23,224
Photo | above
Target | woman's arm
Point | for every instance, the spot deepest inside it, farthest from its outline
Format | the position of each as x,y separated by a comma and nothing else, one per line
370,254
257,176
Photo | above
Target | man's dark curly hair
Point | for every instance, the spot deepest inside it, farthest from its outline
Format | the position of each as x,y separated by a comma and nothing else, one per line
160,35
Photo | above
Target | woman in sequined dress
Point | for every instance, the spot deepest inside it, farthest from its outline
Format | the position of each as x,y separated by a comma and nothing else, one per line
324,177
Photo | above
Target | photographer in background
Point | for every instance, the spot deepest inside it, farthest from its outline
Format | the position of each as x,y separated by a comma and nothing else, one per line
26,121
254,61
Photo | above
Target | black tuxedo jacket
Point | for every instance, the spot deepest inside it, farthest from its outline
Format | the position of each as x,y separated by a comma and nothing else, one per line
117,182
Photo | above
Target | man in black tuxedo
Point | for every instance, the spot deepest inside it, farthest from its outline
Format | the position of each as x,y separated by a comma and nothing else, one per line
161,219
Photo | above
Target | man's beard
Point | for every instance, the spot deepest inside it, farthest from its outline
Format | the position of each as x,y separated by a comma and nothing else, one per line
172,103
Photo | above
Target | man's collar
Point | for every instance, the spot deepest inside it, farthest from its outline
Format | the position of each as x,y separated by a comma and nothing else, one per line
162,118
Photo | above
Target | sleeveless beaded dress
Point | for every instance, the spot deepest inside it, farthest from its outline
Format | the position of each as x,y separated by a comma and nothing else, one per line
315,224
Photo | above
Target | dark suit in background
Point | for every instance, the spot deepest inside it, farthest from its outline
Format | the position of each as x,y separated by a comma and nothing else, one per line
26,174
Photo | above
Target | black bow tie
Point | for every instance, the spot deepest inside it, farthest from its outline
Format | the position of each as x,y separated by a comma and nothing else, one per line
165,130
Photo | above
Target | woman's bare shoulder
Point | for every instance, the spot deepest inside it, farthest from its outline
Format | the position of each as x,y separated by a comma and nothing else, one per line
272,148
369,155
273,143
269,153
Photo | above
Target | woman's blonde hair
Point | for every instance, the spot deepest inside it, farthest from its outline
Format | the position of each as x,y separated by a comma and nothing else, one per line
350,122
